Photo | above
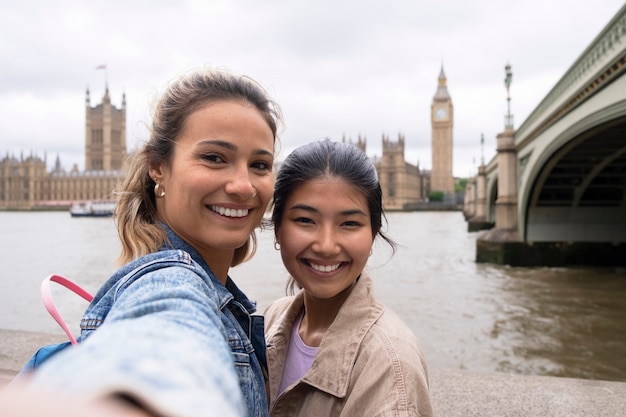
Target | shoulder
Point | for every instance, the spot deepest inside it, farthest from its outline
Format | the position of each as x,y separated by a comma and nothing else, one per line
151,266
395,346
162,259
391,323
276,310
387,328
391,331
391,359
163,281
163,272
163,262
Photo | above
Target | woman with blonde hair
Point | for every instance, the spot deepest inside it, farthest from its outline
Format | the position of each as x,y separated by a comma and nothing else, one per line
170,333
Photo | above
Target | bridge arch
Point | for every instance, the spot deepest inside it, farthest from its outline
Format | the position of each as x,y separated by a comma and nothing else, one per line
575,190
492,196
562,173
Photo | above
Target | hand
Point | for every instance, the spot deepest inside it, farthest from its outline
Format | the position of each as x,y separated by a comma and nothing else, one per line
18,401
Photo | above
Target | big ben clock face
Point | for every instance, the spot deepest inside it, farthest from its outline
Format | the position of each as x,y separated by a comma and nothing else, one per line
441,113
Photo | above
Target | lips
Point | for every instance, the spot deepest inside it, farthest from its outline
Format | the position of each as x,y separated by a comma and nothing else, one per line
228,212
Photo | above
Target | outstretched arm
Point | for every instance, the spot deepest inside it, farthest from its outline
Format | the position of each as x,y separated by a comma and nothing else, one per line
162,346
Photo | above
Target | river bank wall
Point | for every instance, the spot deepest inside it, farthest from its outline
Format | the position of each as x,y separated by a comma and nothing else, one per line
455,393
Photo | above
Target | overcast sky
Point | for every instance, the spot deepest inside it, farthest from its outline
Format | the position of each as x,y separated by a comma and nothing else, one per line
336,67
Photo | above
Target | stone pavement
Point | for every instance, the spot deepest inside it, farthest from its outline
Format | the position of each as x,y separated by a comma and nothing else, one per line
455,393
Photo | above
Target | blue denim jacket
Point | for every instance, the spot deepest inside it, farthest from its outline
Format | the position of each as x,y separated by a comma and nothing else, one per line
157,316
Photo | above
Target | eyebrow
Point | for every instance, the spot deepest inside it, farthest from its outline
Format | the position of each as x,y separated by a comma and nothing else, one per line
232,147
314,210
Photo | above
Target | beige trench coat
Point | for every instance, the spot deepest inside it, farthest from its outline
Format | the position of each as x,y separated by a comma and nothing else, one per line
368,364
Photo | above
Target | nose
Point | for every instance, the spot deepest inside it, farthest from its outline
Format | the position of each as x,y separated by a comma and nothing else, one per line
240,184
326,242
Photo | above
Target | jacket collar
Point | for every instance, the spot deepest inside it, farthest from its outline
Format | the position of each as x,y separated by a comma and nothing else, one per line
225,293
338,351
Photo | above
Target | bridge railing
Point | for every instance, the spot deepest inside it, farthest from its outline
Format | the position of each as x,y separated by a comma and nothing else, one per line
605,54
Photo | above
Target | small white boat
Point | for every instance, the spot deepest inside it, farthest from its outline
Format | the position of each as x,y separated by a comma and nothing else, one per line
92,209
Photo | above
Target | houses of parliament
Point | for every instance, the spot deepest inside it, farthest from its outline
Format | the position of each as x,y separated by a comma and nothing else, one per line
26,184
405,186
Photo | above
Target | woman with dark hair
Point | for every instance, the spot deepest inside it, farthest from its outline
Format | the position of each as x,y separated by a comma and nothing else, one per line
170,334
333,349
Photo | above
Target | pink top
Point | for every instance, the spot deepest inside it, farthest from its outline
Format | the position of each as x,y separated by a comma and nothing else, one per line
299,358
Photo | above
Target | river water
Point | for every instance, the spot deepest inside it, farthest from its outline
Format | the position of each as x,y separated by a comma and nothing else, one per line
567,322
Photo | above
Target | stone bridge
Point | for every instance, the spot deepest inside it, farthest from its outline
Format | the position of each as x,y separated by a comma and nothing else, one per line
555,193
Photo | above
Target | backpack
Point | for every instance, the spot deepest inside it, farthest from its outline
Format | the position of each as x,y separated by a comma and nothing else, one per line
46,352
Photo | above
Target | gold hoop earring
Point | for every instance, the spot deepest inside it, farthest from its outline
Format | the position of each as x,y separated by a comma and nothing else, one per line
159,192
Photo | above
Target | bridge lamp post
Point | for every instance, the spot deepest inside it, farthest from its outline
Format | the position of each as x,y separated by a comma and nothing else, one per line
482,149
508,119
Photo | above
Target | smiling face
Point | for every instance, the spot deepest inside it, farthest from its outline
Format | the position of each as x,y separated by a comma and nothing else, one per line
224,151
325,236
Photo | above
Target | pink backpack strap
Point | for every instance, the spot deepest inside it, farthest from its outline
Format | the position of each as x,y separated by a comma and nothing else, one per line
48,302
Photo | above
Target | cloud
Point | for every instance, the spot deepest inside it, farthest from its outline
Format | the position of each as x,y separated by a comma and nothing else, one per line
336,67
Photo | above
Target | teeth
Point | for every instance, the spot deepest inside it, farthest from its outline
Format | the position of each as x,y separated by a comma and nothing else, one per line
325,268
230,212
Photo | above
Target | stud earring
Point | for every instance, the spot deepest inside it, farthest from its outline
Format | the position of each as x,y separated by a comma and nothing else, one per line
276,245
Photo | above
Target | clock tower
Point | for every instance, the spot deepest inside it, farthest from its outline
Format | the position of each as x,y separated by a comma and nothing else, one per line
442,118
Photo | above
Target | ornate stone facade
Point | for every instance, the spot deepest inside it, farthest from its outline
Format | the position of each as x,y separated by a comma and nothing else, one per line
406,186
105,135
25,184
403,185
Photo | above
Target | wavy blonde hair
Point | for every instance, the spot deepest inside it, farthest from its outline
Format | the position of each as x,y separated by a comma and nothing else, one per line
136,215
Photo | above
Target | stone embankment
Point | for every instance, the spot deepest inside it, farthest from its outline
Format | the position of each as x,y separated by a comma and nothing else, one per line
455,393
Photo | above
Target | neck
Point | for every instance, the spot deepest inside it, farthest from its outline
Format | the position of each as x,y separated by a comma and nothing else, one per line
221,274
219,262
319,314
